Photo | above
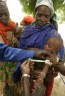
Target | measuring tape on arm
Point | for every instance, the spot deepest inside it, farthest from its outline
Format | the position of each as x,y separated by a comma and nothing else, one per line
44,61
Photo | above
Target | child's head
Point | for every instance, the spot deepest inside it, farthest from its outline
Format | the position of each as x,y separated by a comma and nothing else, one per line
53,44
43,11
27,21
4,13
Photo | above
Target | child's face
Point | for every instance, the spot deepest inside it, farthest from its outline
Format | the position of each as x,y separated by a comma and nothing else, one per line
4,16
43,15
52,46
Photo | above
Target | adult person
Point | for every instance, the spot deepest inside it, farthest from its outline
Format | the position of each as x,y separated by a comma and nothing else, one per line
6,25
36,36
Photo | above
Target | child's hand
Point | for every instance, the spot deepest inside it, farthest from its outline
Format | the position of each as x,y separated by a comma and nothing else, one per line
53,58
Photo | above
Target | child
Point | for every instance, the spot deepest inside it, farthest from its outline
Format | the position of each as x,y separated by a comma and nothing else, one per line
22,88
51,46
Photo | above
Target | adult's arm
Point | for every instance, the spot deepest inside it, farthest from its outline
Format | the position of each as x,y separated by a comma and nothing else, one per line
26,84
13,54
60,67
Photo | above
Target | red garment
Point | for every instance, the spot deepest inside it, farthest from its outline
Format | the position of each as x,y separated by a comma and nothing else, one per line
27,19
49,88
4,29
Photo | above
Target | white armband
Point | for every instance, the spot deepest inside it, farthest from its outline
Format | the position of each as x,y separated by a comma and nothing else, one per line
48,62
25,75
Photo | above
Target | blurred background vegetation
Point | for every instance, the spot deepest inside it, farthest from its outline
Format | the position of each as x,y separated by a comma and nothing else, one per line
59,6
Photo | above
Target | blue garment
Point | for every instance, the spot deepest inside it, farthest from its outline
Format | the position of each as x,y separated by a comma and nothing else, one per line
36,37
13,54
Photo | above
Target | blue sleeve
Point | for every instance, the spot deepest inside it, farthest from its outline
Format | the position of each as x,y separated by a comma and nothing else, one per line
13,54
61,53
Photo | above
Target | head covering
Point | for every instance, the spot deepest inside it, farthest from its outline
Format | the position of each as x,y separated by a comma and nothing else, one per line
47,3
53,20
27,19
3,7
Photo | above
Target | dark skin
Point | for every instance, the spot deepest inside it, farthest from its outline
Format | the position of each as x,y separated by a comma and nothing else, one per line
4,19
18,31
53,48
26,70
38,85
39,89
42,15
4,15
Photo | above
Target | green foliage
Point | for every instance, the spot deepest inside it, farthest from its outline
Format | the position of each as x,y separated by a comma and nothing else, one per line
29,6
57,4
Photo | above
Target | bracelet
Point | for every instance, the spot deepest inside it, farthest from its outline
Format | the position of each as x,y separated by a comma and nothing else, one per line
48,62
25,75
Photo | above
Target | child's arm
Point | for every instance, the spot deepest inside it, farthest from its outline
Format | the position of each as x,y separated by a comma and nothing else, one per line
59,66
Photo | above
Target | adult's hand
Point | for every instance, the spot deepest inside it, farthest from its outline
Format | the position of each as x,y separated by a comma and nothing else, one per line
25,66
40,53
51,75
